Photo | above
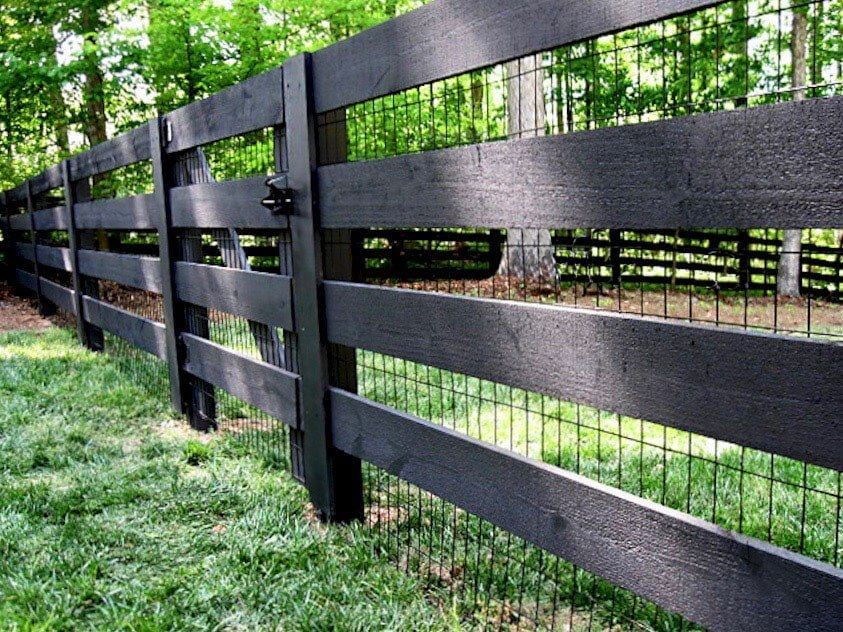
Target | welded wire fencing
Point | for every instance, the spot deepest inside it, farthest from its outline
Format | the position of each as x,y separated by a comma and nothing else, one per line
559,321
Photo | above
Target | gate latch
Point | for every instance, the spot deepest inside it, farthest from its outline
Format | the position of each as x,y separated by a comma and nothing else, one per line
280,198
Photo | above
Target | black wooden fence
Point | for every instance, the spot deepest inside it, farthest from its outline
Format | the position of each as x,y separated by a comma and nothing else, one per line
778,394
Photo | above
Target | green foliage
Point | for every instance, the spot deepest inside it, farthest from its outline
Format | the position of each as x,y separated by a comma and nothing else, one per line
114,518
152,56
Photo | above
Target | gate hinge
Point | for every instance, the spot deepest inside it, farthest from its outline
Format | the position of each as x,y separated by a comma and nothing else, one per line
280,200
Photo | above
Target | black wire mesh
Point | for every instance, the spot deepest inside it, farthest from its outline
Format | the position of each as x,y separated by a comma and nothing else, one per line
735,55
134,179
489,577
242,156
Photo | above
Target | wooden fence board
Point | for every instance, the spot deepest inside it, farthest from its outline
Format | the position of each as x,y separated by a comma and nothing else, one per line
47,180
20,221
59,295
121,151
264,386
712,170
141,332
233,204
717,578
17,195
139,272
24,251
265,298
254,104
137,212
773,393
53,257
51,219
451,37
26,280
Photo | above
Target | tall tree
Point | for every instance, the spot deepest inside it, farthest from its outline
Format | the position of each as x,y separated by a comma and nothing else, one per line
789,277
529,251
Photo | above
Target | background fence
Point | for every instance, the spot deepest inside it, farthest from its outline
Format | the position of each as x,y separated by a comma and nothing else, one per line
553,374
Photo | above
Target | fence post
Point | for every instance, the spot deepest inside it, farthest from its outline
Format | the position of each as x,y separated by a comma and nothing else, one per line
89,335
333,479
744,272
166,249
45,308
8,247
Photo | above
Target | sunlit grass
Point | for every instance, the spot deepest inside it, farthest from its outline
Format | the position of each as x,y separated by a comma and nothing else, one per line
112,516
773,498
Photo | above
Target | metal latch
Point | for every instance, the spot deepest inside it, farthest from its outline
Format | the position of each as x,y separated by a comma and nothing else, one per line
281,196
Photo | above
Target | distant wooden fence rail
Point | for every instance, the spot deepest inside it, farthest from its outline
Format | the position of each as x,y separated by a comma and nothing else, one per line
774,393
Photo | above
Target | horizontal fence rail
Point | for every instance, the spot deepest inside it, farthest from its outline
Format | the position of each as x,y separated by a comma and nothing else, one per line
451,37
656,552
265,298
262,385
141,332
272,337
709,170
130,213
775,394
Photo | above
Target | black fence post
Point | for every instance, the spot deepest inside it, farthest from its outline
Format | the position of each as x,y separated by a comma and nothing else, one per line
45,307
333,478
744,263
615,256
166,250
89,335
7,241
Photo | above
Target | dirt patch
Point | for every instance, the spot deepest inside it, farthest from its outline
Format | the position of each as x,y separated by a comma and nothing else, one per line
797,315
18,313
178,430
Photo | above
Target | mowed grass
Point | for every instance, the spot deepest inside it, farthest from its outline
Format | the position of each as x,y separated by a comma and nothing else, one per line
113,517
789,503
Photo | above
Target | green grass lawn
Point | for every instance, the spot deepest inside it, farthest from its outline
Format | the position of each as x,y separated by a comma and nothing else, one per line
112,516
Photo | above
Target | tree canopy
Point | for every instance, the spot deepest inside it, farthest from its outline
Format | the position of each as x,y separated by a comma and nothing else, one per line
75,73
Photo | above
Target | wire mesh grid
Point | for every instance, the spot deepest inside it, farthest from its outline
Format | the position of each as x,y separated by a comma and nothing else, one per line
260,433
789,503
508,582
237,157
256,431
489,577
658,277
735,55
133,179
242,156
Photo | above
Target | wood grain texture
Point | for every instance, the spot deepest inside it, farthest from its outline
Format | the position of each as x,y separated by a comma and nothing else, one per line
143,333
721,169
53,257
17,195
137,212
233,204
717,578
139,272
265,298
251,105
24,251
121,151
59,295
51,219
26,280
450,37
264,386
47,180
21,221
774,393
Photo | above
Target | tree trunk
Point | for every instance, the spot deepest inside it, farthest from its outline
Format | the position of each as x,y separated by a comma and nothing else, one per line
529,252
789,283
